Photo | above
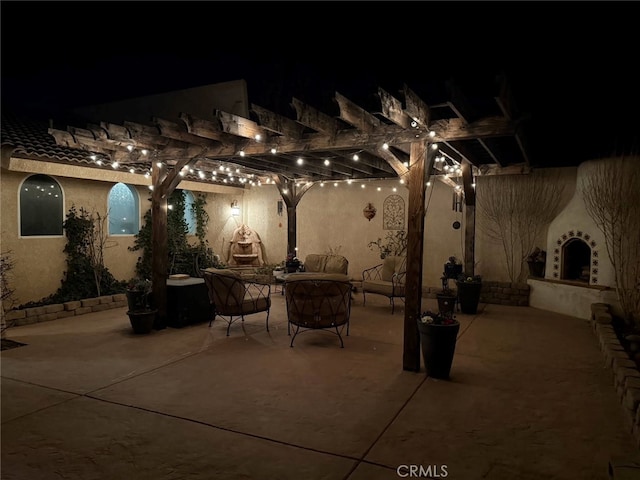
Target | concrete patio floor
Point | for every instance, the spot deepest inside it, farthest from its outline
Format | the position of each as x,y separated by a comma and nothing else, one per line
528,398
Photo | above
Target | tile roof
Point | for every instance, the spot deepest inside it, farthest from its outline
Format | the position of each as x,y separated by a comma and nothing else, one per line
30,139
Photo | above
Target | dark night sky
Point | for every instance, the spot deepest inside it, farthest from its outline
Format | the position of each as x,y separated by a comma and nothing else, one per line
575,63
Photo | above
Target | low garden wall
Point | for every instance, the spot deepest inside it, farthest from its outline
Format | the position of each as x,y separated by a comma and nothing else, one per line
626,382
54,311
501,293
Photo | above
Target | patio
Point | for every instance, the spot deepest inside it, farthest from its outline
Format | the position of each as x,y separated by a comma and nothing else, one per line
528,399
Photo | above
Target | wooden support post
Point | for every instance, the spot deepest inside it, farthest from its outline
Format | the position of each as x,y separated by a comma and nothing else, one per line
421,164
291,194
163,187
292,220
159,245
469,219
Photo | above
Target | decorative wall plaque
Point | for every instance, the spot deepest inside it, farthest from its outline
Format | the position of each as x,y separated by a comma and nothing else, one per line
369,211
393,213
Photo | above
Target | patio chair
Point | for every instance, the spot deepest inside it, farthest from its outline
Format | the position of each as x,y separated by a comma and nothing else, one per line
232,296
314,303
387,278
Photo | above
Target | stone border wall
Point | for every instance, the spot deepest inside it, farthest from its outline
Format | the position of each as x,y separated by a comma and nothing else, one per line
501,293
626,377
27,316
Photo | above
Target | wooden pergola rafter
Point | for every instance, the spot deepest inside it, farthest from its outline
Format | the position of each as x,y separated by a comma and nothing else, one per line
392,141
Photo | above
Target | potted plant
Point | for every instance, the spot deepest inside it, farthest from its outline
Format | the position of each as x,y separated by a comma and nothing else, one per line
536,261
438,336
452,268
447,296
141,315
469,288
292,263
394,244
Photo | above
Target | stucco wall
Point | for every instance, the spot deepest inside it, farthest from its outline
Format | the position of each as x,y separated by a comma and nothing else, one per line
570,299
40,261
327,218
574,222
489,253
332,218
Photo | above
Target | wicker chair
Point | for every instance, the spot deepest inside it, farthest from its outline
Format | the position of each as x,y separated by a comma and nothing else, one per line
232,296
318,303
387,278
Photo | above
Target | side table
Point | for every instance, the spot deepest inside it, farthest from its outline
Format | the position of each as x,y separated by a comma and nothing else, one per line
187,302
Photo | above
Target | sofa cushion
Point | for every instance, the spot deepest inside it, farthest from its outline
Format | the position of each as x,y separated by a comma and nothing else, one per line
315,263
298,276
323,263
228,287
392,265
336,264
383,288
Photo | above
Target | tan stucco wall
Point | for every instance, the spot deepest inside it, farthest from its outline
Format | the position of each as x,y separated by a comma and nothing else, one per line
40,261
330,217
489,254
327,217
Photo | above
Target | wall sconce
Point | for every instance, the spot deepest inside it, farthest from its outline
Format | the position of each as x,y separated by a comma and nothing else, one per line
235,209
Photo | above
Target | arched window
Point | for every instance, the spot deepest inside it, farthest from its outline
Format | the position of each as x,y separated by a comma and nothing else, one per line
41,207
124,216
189,213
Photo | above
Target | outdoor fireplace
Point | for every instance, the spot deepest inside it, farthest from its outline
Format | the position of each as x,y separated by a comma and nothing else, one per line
578,271
576,259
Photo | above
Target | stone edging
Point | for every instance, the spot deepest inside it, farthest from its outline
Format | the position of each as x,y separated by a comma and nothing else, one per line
626,381
499,293
27,316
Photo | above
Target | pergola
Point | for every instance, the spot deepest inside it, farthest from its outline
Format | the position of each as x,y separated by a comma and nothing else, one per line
453,137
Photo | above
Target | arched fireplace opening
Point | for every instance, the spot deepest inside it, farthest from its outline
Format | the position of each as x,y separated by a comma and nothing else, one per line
576,258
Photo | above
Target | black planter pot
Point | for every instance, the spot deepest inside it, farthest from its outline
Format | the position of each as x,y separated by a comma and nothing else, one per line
469,296
438,344
446,304
536,269
142,321
137,300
